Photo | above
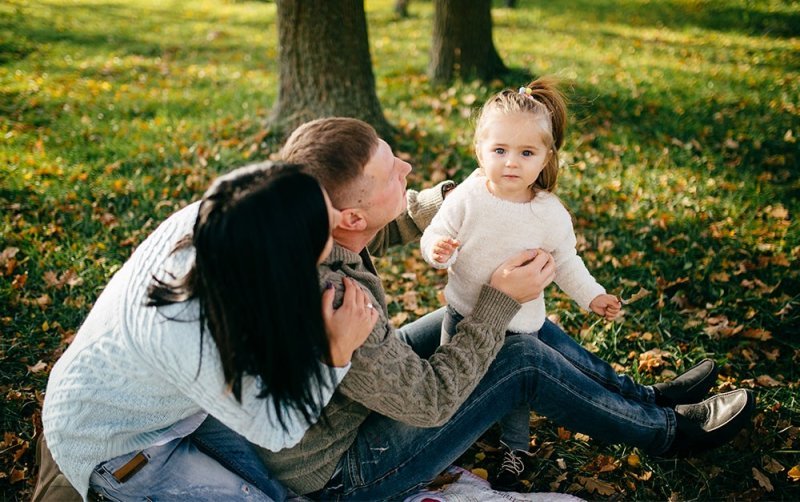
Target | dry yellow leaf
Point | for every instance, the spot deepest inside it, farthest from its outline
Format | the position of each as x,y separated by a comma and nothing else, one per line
480,472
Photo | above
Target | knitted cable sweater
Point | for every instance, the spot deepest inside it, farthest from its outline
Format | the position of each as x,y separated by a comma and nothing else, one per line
490,231
387,377
133,374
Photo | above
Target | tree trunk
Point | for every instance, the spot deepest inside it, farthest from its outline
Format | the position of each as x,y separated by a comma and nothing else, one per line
325,65
462,44
401,8
511,4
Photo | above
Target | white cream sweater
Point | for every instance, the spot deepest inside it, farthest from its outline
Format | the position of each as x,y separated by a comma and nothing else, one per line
134,372
492,230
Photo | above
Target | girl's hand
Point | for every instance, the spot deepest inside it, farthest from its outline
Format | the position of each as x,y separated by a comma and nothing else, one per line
348,326
607,306
444,249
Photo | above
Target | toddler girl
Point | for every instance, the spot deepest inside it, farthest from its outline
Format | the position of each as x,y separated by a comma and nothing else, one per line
505,207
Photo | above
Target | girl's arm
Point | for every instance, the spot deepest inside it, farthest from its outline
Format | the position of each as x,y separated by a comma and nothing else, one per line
439,244
422,206
572,276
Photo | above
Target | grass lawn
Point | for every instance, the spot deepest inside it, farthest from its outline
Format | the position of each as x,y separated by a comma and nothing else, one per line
681,173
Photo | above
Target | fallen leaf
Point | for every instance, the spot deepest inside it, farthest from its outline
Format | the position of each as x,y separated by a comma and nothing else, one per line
564,434
642,293
794,473
767,381
23,447
634,461
443,480
771,465
19,281
38,367
557,482
594,485
763,480
18,475
480,472
652,359
757,334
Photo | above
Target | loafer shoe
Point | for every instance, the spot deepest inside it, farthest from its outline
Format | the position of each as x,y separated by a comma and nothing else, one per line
690,387
713,422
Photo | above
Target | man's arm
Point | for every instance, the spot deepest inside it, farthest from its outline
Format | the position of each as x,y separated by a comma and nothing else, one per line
387,377
408,227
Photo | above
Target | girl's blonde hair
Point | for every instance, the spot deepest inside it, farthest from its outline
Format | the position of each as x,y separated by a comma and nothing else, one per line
541,98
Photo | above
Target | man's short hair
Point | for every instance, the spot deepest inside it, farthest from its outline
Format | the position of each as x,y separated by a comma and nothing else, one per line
334,151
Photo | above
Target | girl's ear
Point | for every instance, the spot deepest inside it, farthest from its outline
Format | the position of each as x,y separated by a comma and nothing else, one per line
478,155
353,220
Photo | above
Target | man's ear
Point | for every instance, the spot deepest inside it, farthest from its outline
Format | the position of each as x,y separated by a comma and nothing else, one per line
353,220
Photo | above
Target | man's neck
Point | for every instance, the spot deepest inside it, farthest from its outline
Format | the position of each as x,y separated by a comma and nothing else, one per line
354,241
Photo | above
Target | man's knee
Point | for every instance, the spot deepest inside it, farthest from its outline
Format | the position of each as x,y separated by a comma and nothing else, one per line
520,351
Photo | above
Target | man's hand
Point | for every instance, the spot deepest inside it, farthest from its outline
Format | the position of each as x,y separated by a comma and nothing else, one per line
607,306
524,276
444,249
348,326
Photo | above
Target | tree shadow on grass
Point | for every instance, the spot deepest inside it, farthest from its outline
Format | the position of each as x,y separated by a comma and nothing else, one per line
718,15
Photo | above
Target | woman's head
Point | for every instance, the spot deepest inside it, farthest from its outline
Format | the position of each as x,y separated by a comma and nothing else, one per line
546,108
260,232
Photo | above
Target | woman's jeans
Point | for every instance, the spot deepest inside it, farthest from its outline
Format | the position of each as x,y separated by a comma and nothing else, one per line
548,371
213,463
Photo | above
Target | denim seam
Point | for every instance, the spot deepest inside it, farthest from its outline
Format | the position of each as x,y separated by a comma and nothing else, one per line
408,460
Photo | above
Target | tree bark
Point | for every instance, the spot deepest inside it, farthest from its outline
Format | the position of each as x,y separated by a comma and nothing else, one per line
462,45
401,8
325,65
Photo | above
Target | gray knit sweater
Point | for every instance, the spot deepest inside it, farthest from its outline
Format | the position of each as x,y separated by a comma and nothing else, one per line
387,377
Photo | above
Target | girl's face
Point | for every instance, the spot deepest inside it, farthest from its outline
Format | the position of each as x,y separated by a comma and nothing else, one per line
334,217
512,152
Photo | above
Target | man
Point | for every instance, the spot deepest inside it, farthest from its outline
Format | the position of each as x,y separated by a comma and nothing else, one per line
398,419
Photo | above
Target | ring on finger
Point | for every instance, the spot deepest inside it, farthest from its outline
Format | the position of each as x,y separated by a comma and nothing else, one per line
369,306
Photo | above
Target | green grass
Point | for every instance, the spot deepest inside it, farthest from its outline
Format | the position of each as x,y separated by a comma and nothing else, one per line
681,173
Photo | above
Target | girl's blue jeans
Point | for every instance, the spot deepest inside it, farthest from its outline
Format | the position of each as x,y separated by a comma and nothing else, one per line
548,371
211,464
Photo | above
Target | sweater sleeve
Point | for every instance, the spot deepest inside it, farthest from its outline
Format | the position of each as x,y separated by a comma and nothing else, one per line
407,227
389,378
446,223
572,276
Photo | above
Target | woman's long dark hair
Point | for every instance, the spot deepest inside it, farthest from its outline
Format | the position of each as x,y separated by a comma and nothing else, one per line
258,236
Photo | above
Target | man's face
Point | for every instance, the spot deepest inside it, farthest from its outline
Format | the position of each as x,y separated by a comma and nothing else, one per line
385,187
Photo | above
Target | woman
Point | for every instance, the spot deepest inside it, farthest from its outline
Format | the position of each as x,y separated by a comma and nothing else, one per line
211,335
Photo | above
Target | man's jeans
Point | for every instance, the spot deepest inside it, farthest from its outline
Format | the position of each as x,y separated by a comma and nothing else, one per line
213,463
551,372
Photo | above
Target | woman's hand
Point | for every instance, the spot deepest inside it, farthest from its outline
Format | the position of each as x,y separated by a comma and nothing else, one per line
607,306
524,276
444,249
348,326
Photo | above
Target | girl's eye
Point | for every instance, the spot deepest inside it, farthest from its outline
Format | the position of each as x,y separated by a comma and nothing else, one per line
499,151
528,153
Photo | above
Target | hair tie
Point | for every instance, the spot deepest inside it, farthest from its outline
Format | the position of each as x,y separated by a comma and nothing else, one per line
526,91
